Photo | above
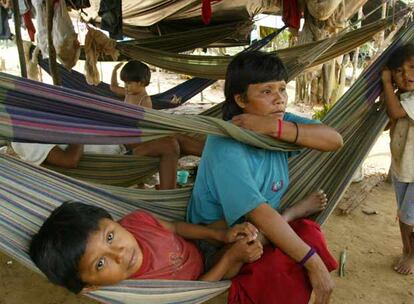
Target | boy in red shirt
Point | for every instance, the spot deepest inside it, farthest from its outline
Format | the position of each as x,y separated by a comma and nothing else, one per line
81,247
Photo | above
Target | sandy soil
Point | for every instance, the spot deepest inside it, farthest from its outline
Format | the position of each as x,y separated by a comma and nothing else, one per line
372,242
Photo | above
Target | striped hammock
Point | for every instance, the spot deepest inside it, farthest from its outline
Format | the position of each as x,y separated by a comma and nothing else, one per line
98,169
214,67
168,99
186,40
29,193
171,98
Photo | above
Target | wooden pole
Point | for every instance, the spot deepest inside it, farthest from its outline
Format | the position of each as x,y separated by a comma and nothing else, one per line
52,52
19,42
355,59
382,35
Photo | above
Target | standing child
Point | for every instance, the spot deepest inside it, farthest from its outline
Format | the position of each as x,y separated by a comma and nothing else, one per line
81,248
400,109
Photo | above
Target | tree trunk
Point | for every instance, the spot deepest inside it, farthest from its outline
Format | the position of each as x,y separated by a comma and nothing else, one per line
51,48
19,42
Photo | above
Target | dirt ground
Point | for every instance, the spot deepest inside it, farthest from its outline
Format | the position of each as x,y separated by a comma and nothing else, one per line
372,242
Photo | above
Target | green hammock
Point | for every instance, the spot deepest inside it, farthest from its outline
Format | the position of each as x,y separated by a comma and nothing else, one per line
187,40
29,193
214,67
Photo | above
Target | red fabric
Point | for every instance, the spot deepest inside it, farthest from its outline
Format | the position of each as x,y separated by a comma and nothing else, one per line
27,18
276,278
206,10
291,13
165,254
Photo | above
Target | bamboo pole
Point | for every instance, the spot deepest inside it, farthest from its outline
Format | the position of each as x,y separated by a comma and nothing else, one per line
52,52
19,42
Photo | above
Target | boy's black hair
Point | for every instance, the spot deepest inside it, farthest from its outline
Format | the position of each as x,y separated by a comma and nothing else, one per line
249,68
137,71
61,242
400,55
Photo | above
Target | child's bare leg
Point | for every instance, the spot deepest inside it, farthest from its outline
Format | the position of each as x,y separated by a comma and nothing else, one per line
406,263
190,145
168,150
314,203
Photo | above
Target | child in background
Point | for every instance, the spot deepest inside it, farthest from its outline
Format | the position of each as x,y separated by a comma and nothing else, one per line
80,247
136,76
400,108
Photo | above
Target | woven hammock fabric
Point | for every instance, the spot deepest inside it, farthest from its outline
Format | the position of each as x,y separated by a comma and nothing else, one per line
29,193
172,98
186,40
168,99
214,67
28,108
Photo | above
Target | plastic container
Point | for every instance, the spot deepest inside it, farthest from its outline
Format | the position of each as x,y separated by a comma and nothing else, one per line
182,177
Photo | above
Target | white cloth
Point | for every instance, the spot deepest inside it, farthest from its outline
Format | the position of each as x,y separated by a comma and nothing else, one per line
407,102
402,142
37,153
62,29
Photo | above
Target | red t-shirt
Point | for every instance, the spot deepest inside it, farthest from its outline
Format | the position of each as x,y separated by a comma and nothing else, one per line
165,254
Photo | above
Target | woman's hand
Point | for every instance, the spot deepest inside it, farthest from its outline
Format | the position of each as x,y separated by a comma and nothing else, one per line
245,251
246,230
321,281
257,123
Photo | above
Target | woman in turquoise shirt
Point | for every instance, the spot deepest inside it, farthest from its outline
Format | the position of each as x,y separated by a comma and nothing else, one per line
237,182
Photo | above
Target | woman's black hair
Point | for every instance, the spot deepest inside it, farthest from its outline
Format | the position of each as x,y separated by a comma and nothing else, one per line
400,55
61,242
249,68
137,71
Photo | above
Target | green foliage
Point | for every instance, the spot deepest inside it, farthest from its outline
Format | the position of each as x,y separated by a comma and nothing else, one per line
320,114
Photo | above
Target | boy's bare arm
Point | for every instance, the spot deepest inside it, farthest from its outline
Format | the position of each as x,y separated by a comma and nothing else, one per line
201,232
192,231
394,108
114,82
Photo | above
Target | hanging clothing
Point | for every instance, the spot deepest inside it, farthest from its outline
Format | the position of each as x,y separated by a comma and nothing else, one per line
111,14
78,4
64,36
5,33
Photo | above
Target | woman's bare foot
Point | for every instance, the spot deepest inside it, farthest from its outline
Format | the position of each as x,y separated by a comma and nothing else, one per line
405,265
314,203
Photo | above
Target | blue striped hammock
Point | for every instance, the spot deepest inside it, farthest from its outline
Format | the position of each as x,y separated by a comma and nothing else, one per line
29,193
168,99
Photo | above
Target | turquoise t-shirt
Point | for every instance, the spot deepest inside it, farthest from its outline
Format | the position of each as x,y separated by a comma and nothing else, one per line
234,178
